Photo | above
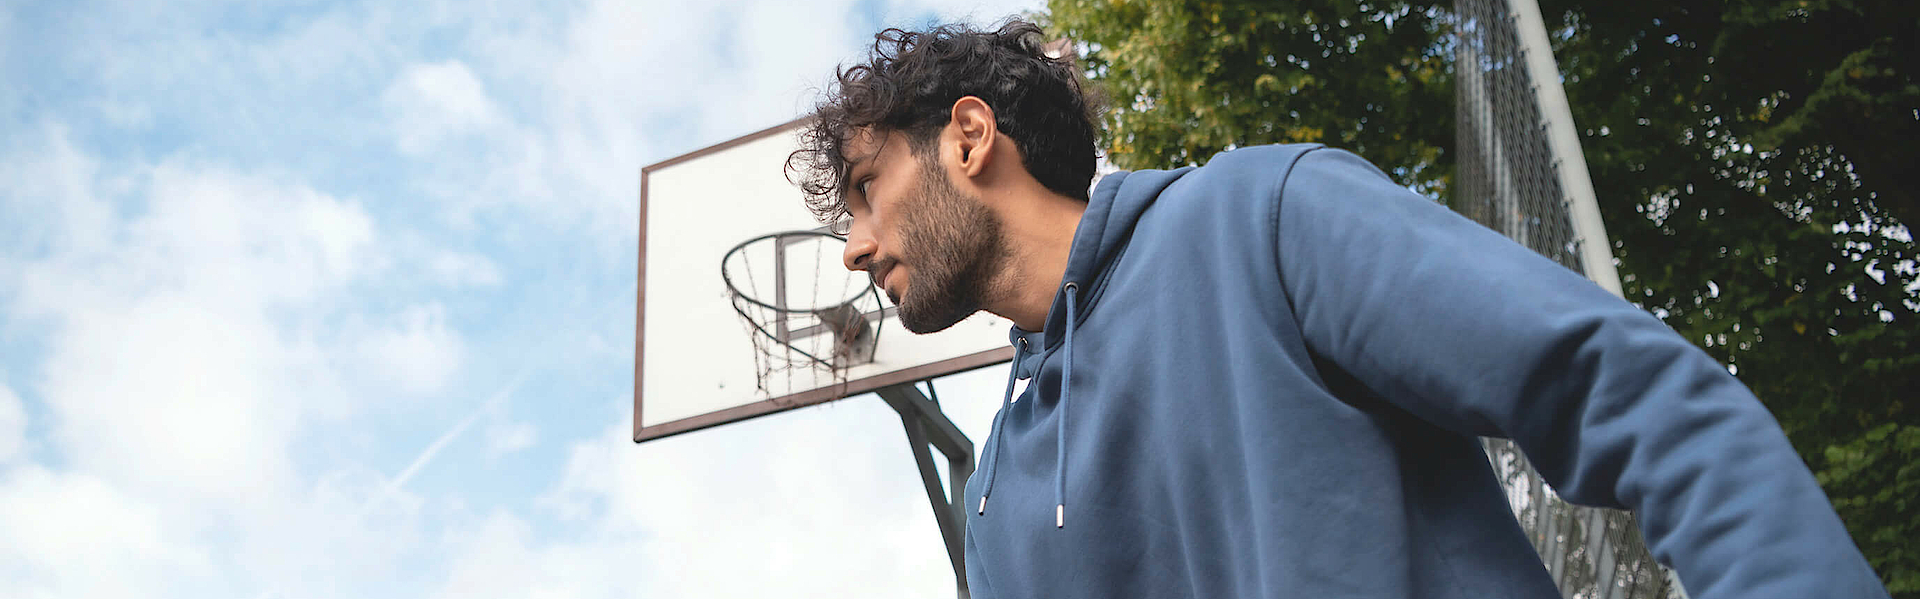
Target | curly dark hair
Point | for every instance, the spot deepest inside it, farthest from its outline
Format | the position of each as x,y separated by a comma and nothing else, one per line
909,83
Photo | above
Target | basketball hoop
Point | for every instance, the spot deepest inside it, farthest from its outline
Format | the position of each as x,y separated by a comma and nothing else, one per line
817,317
801,330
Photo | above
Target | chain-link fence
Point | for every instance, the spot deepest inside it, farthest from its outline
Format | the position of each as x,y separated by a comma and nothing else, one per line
1508,181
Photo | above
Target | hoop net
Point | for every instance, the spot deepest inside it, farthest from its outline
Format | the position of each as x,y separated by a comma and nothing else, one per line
809,319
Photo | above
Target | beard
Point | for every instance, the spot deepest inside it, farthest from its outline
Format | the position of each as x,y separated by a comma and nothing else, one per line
956,247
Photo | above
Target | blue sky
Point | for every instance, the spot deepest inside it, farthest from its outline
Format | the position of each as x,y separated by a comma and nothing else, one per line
320,299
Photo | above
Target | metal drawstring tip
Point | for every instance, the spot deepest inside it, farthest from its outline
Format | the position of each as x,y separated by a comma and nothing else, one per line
983,505
1059,515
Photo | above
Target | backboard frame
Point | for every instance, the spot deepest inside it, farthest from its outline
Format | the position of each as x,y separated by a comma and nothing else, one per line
643,432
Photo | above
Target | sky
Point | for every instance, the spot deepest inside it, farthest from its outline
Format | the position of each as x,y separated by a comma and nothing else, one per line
335,299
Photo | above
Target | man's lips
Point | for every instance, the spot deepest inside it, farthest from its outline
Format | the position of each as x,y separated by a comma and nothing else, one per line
884,277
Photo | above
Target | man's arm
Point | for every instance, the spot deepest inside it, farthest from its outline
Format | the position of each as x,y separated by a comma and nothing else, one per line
1468,330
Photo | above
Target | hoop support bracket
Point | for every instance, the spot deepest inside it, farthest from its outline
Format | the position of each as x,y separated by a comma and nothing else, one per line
927,425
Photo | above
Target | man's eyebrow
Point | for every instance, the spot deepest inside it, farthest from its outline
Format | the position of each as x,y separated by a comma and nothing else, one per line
854,163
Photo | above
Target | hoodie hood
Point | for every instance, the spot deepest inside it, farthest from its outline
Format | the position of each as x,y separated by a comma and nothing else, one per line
1101,237
1113,209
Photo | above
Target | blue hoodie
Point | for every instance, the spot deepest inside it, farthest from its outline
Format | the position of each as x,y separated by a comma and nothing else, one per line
1264,378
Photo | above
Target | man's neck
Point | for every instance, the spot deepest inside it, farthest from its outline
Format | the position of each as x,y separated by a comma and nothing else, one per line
1039,233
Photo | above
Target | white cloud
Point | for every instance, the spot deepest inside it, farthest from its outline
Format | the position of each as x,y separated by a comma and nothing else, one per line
186,312
166,366
819,503
501,557
438,102
73,535
13,425
494,560
170,393
509,437
124,113
54,182
418,356
461,269
620,83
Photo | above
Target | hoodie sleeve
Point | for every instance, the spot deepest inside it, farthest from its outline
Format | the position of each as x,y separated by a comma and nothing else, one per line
1472,332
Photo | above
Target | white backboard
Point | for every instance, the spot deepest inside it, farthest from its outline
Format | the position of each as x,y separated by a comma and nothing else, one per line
694,360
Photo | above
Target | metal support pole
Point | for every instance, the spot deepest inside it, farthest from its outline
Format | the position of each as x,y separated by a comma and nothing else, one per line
927,425
1596,251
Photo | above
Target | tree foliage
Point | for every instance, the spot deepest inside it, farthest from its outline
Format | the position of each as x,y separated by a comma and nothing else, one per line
1190,79
1751,157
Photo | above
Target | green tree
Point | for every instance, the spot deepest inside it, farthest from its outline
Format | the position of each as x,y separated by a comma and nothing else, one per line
1751,157
1190,79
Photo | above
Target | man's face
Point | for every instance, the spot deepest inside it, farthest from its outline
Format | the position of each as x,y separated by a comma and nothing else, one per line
931,247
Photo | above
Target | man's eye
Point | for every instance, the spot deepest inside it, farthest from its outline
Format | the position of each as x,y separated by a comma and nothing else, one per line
864,184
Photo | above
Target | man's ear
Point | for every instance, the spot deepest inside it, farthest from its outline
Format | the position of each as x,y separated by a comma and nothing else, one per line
973,133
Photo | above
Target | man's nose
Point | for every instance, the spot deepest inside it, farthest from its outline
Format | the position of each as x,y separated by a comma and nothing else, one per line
860,249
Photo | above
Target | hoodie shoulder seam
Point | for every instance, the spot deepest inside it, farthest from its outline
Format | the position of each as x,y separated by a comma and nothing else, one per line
1273,222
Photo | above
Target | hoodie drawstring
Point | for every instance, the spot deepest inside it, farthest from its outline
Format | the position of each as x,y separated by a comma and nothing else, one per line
1060,417
993,464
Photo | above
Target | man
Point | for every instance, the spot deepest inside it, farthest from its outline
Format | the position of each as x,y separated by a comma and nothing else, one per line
1265,377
